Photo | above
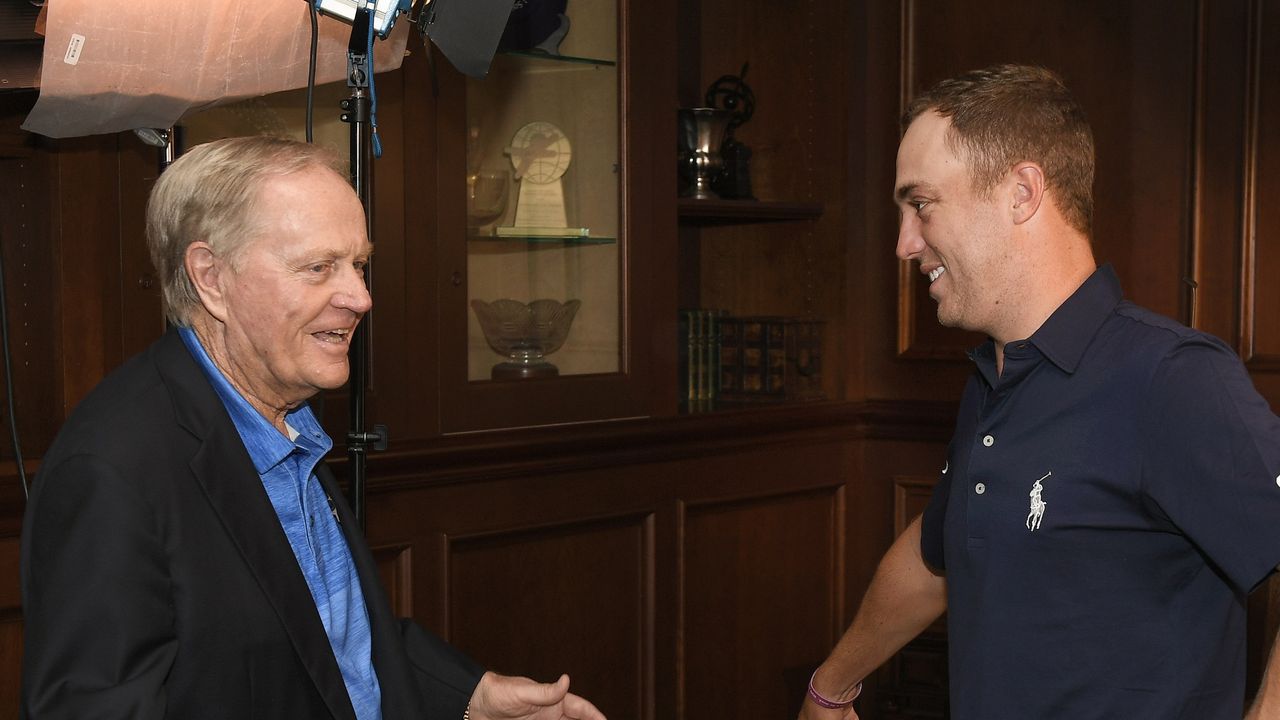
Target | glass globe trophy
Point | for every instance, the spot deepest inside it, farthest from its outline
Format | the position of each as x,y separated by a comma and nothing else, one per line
540,155
526,333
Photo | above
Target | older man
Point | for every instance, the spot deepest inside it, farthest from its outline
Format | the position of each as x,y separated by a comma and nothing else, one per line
1110,494
185,552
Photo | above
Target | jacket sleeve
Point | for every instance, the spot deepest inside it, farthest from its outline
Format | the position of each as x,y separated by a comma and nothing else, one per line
445,677
98,636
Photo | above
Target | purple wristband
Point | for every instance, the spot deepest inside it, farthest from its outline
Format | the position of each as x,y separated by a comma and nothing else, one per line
822,702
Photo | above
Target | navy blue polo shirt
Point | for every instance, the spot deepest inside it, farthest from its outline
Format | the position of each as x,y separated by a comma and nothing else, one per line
1107,504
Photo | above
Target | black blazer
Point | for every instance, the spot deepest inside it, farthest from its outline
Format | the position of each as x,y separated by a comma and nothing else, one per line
158,583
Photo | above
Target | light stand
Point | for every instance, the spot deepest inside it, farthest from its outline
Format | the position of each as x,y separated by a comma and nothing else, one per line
468,34
356,112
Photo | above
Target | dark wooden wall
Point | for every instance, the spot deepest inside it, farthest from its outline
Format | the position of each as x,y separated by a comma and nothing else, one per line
700,566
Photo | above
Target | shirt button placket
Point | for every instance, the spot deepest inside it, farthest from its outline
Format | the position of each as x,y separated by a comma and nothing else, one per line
987,441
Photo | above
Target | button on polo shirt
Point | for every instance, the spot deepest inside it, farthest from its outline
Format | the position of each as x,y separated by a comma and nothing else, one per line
1109,500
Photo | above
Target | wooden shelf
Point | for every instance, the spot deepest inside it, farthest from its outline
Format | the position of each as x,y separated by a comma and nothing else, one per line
729,212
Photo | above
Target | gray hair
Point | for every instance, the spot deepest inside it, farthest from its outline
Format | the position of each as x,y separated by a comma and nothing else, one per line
210,194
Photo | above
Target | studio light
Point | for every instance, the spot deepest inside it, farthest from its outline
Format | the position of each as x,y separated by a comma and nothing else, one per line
384,11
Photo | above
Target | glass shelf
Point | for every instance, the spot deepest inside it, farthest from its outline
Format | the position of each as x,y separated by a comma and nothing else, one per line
547,57
544,239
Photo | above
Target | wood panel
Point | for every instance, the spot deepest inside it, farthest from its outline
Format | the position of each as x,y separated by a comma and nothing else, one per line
910,497
761,593
1260,301
11,663
913,684
575,598
30,283
1216,202
10,629
395,569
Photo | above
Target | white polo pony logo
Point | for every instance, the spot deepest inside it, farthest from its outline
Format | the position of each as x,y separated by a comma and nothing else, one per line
1038,504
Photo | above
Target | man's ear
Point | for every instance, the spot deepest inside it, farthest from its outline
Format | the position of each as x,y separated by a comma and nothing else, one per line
205,271
1028,191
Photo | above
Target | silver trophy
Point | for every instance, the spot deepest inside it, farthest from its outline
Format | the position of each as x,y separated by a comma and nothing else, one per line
702,132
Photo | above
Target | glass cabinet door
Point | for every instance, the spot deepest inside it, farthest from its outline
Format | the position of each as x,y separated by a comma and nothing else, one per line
542,174
546,219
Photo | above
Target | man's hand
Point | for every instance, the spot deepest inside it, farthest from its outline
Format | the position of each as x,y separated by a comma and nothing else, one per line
503,697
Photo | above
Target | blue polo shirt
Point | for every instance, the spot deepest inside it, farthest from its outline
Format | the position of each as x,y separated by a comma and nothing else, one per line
286,467
1107,504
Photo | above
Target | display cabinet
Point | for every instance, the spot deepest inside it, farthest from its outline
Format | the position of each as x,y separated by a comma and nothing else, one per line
548,230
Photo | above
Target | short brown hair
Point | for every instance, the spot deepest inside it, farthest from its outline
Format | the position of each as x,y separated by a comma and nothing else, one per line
210,194
1006,114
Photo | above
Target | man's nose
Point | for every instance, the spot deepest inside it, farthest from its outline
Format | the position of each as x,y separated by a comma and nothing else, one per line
354,293
910,241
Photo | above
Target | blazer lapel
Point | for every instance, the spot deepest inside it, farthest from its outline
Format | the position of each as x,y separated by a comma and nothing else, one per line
223,469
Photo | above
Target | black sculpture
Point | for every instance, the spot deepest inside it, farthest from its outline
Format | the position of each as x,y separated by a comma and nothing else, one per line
731,92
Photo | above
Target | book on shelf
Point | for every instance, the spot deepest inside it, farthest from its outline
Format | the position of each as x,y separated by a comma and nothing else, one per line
770,359
699,358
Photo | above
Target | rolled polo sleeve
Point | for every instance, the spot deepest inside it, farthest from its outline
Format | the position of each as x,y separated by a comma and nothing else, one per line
932,547
99,637
1212,460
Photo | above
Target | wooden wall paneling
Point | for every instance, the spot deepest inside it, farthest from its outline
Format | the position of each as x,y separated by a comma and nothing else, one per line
913,684
395,569
10,629
1259,319
392,381
11,665
856,304
761,557
1260,294
1134,74
649,124
141,309
88,243
28,188
538,570
1221,54
564,597
761,597
895,485
877,278
782,46
910,497
411,378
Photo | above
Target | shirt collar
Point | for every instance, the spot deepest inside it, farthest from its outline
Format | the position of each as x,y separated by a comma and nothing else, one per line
1069,330
267,447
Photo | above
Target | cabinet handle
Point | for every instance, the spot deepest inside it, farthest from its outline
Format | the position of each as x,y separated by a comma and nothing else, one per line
455,277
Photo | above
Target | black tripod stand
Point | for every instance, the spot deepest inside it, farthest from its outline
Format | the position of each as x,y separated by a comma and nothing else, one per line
357,111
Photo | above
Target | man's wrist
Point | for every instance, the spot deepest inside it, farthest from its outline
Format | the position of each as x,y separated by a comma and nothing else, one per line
824,702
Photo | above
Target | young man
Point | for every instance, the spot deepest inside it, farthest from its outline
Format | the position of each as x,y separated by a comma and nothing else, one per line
1110,496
